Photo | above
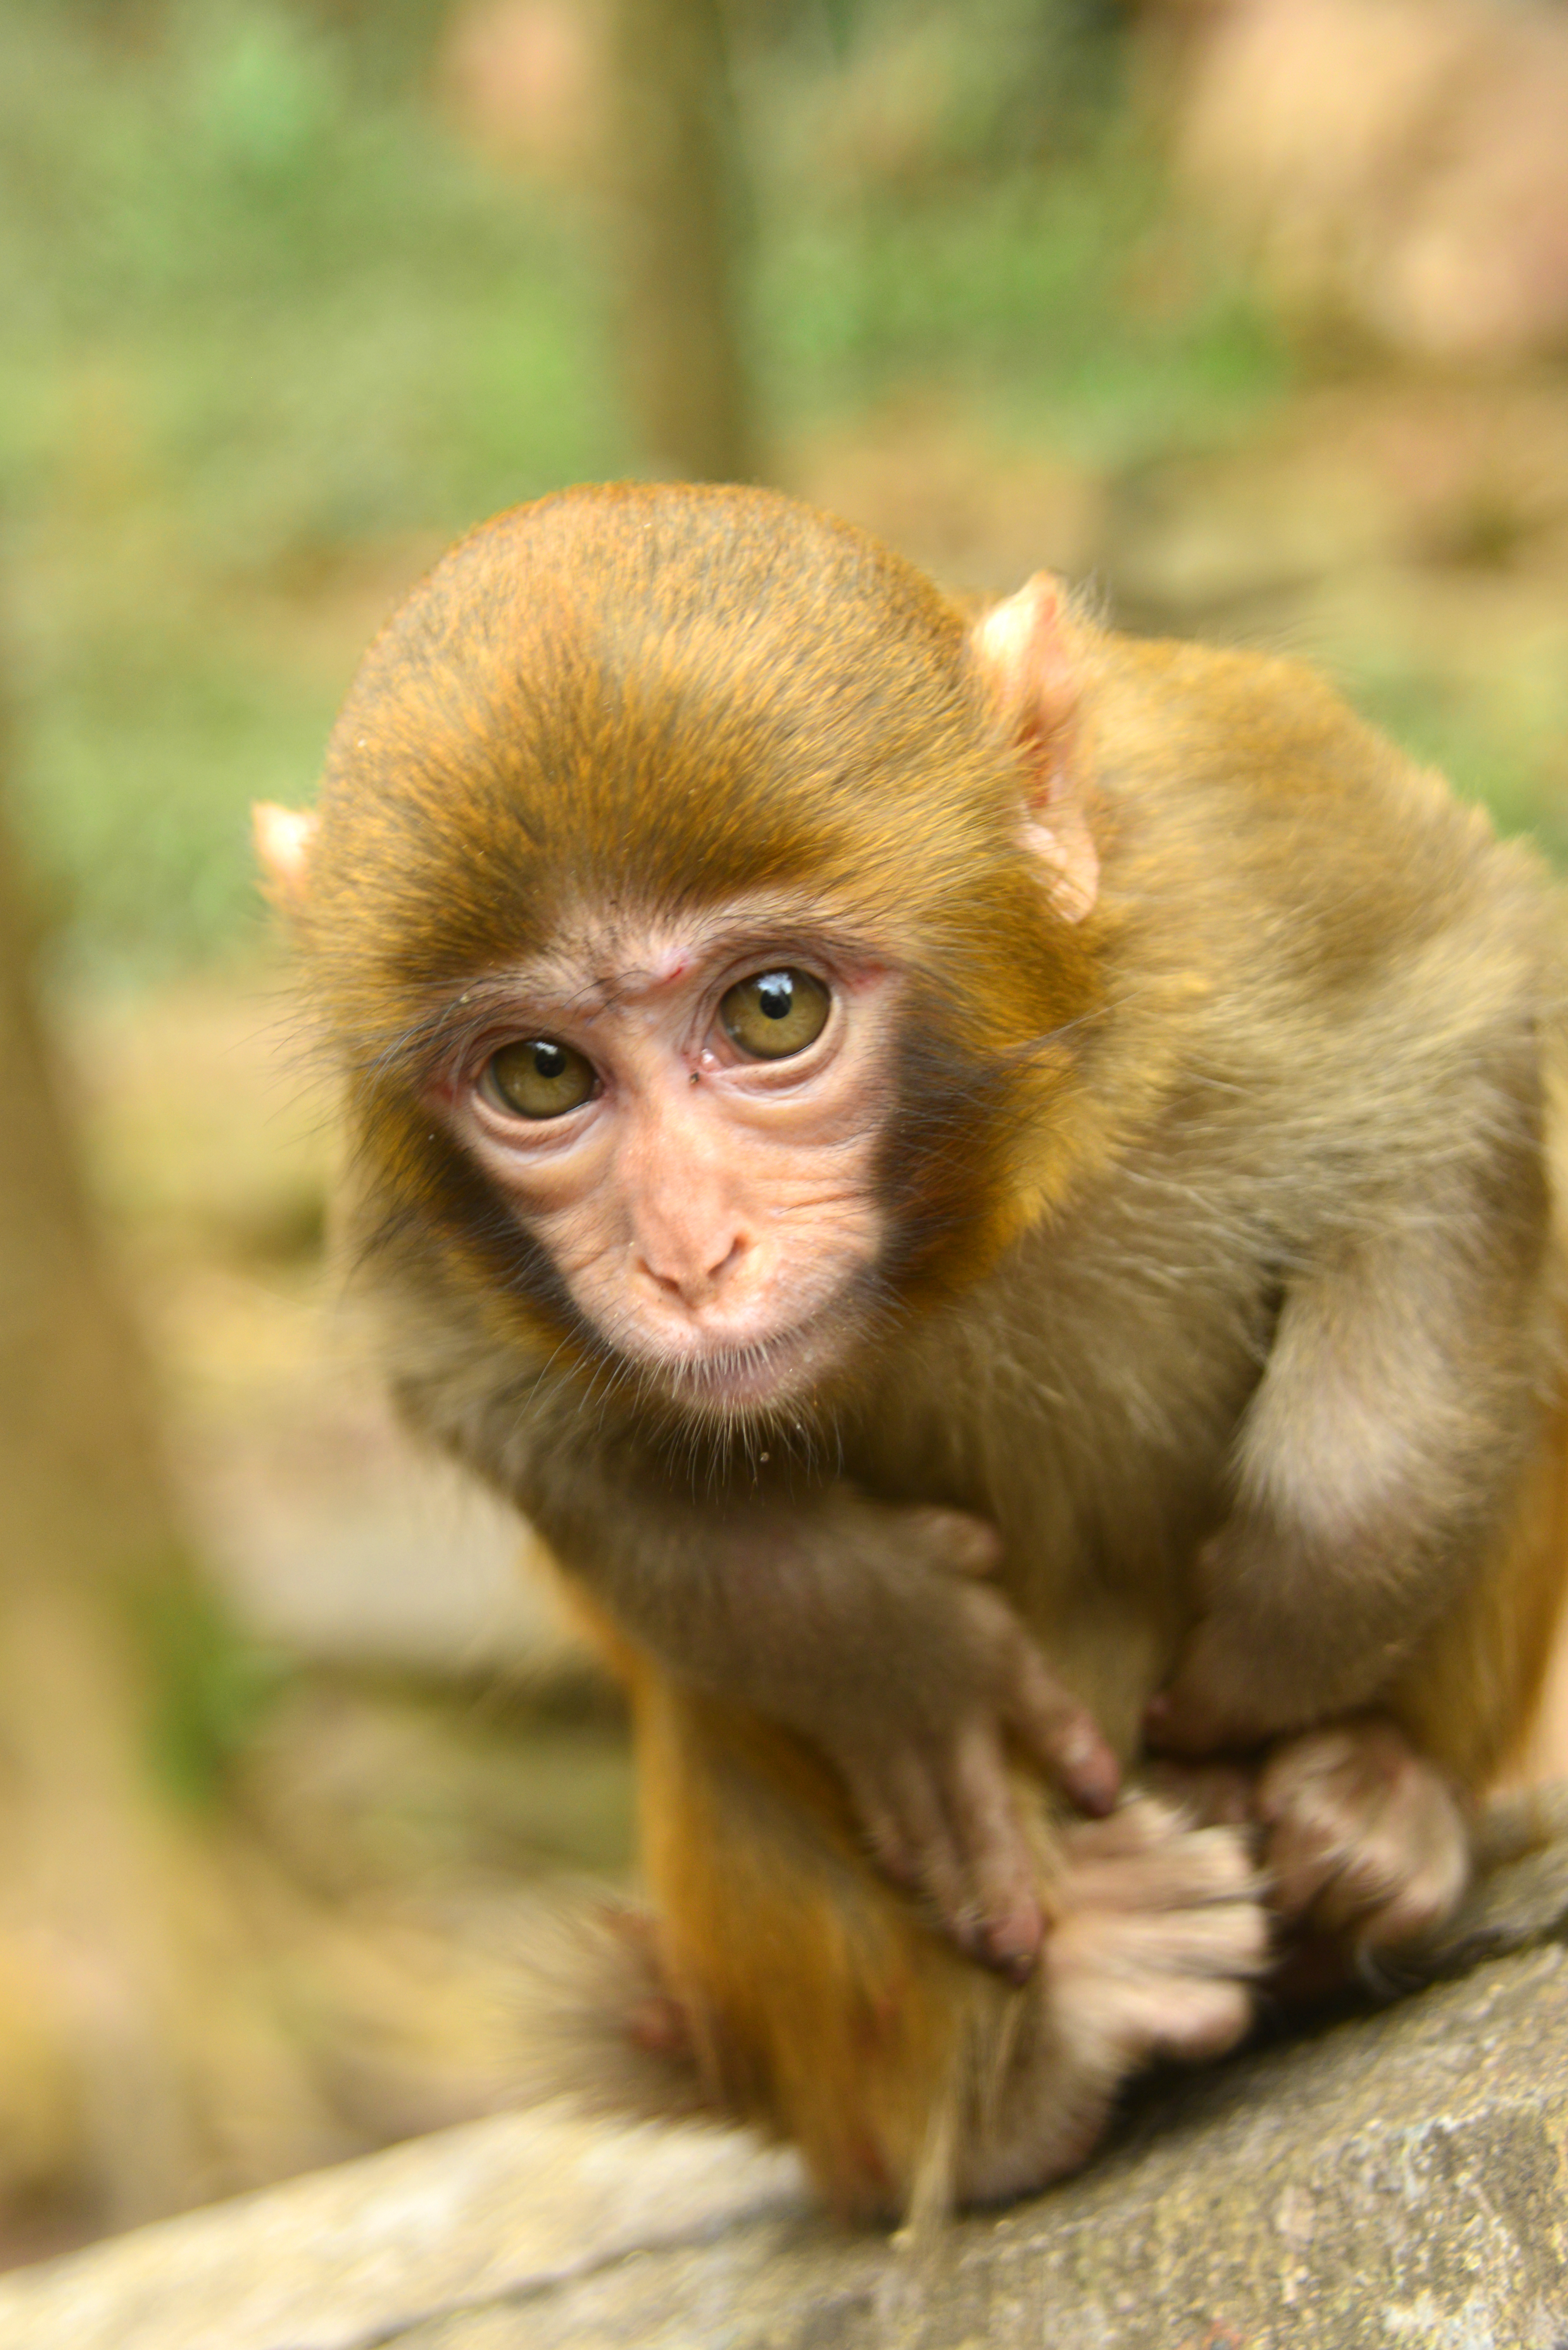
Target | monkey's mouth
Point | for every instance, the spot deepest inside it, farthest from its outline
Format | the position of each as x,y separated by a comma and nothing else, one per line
730,1377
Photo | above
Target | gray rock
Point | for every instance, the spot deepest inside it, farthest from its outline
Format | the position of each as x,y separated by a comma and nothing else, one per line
1388,2178
518,2205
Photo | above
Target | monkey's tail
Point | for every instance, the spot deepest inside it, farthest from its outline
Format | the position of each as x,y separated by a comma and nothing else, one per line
596,2021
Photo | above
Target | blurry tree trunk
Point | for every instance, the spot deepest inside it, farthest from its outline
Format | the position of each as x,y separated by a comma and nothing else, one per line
136,2072
179,2017
673,183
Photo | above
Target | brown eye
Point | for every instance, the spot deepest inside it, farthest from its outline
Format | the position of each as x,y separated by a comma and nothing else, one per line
539,1078
775,1014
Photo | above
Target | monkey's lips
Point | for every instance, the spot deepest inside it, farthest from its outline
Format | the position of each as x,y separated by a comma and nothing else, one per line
736,1373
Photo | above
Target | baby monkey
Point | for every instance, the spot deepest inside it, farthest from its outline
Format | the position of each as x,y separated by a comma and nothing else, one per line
991,1189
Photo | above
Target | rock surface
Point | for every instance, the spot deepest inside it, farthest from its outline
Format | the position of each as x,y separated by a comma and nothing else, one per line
1395,2177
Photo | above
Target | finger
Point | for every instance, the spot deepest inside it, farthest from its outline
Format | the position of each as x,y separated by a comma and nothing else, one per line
1061,1735
935,1864
1001,1866
1307,1799
883,1834
1305,1863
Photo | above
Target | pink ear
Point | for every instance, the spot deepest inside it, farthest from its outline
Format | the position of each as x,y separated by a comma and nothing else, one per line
283,838
1023,647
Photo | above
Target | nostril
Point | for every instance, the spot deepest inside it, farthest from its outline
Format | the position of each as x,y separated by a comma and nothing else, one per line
731,1258
694,1283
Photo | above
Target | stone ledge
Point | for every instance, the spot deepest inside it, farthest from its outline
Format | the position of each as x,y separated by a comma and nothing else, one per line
1398,2177
519,2205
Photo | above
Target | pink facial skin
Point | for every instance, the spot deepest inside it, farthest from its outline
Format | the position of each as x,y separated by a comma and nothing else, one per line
711,1213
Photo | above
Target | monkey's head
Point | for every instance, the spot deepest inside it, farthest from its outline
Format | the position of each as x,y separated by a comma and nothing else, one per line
695,903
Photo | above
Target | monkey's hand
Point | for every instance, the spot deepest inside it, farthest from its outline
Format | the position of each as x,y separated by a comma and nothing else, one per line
936,1676
869,1630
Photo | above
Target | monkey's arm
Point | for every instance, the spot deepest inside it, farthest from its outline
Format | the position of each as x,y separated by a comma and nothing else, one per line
1373,1468
863,1628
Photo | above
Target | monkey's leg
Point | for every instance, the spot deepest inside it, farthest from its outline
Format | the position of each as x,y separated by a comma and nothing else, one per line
1369,1818
1472,1698
820,2005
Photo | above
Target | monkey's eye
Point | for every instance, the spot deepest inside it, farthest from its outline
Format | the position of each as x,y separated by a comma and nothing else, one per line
539,1079
775,1014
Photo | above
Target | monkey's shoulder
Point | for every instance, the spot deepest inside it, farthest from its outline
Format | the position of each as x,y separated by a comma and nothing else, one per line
1266,833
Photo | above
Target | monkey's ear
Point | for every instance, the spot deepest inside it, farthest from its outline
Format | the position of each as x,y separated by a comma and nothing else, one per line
1023,649
283,838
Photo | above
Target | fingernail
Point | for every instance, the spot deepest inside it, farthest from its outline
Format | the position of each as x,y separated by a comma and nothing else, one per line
1016,1965
1012,1946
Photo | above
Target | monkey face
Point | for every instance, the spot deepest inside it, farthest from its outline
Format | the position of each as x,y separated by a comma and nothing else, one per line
685,1119
670,906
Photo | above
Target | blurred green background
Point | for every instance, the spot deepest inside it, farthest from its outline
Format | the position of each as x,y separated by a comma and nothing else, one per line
280,322
293,290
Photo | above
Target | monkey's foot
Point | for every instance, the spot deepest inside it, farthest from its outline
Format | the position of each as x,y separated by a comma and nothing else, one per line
1367,1841
1158,1934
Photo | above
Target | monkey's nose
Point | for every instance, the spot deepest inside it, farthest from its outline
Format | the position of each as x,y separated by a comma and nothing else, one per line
699,1281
